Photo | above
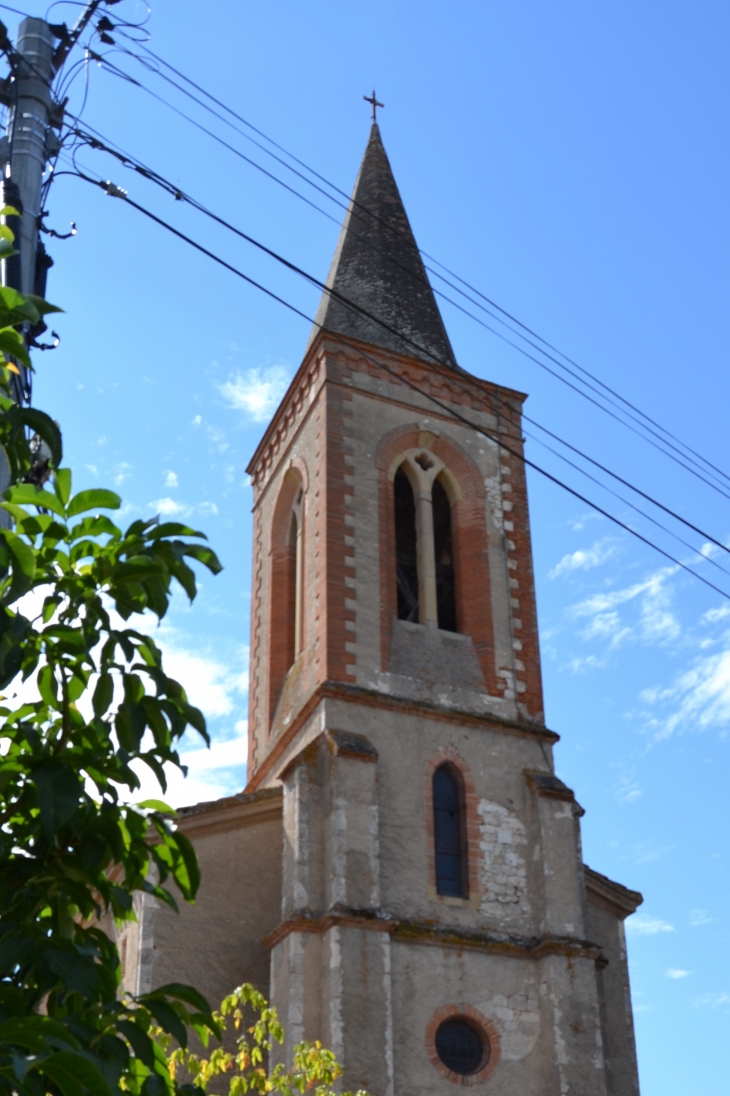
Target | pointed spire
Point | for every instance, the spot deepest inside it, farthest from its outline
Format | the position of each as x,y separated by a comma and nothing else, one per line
377,267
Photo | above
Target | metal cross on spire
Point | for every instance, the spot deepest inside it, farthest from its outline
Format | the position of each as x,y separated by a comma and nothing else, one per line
374,103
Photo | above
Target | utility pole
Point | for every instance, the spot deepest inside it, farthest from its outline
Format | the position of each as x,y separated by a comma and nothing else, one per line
32,138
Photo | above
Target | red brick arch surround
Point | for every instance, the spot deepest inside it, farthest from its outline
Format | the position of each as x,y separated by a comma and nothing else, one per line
471,544
468,1012
282,555
448,755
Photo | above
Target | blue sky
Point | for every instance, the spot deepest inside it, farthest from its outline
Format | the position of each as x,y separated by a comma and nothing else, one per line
571,161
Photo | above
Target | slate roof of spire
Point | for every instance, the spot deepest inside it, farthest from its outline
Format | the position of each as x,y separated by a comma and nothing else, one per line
377,266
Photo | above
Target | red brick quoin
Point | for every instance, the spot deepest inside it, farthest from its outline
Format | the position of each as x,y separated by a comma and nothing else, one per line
489,1033
448,755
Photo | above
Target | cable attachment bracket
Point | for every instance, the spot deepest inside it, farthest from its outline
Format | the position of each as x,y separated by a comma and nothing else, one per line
52,231
113,190
33,345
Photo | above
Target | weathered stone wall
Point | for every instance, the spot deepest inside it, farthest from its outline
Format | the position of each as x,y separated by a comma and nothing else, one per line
215,944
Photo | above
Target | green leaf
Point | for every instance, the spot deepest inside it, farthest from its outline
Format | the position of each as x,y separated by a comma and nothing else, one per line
31,1031
137,569
48,686
27,494
62,483
42,307
186,577
94,527
47,429
74,1074
140,1042
184,993
130,722
167,1018
59,790
156,805
103,694
188,879
89,500
205,555
22,553
12,344
78,973
173,529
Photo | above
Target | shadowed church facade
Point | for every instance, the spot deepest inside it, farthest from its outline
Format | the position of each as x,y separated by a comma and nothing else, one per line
403,873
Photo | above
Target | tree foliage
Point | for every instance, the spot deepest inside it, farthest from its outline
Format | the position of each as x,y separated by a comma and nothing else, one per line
313,1067
86,703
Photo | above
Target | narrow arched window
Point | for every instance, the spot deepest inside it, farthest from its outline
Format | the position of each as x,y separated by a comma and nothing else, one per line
449,833
444,558
286,624
292,591
406,548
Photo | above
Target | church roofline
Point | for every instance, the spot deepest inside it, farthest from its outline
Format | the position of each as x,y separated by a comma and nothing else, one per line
230,813
622,901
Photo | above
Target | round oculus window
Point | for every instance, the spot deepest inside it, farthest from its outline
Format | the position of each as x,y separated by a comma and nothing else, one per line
461,1046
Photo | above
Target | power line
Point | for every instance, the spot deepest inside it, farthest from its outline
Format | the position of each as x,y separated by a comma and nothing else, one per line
660,443
181,195
471,288
714,485
450,412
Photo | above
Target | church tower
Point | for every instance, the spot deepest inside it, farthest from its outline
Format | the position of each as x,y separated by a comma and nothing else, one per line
404,856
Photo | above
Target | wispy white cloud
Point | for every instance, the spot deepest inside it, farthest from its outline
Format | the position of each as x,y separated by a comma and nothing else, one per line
171,508
579,523
607,626
121,473
218,437
210,683
646,853
168,508
628,790
676,974
257,392
712,1000
584,559
698,918
700,697
580,665
171,479
713,615
643,925
656,622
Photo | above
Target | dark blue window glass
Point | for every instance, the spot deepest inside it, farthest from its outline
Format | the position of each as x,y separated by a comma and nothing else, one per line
461,1047
448,833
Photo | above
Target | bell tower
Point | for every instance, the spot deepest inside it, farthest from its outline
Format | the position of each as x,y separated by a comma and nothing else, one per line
438,926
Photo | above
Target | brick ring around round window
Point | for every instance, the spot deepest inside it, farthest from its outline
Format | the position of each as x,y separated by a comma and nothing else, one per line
452,1042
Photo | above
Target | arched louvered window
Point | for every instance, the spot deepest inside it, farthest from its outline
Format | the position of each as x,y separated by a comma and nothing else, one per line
406,548
444,558
449,833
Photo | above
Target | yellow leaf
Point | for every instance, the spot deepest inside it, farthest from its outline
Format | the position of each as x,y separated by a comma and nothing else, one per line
12,367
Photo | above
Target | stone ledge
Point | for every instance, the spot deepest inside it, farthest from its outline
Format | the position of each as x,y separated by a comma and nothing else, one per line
372,698
496,943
